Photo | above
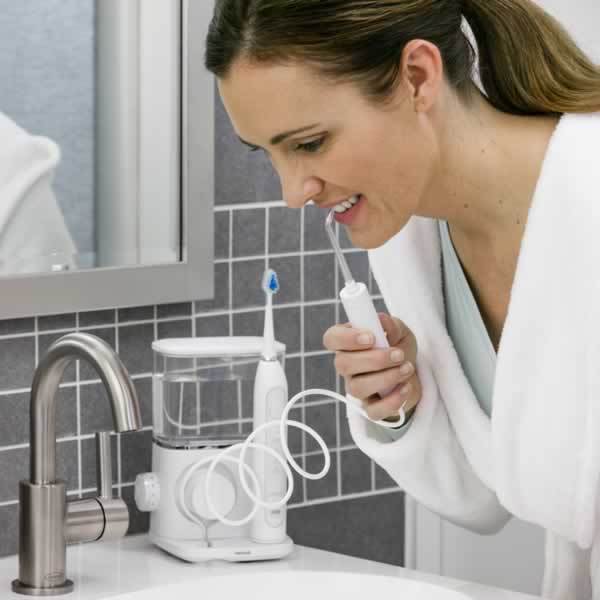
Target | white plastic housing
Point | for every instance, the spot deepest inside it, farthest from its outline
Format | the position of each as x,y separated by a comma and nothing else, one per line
362,314
222,489
147,492
270,397
169,520
172,531
191,378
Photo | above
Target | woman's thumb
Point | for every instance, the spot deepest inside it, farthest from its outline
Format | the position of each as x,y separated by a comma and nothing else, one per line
394,328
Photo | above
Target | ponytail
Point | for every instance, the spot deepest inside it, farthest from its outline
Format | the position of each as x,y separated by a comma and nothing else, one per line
528,63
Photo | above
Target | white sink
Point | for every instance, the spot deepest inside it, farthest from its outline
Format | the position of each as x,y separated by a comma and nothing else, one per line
135,569
299,586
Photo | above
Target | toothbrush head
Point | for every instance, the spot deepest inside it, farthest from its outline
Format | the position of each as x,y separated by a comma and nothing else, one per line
270,282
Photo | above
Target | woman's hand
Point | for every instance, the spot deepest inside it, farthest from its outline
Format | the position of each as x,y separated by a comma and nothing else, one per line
367,370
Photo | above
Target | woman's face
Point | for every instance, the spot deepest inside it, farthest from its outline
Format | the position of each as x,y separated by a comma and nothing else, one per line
347,147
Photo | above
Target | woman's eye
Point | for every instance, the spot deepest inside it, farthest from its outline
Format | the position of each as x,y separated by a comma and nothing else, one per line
310,146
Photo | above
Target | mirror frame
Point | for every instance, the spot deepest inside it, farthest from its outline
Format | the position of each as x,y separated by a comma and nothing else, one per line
193,277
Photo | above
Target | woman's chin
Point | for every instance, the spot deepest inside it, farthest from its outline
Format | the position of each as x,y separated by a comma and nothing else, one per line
366,240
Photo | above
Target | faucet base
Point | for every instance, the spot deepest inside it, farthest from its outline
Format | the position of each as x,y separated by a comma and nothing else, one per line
21,588
42,548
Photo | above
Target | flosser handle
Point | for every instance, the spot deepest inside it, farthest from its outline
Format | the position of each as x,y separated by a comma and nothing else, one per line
362,314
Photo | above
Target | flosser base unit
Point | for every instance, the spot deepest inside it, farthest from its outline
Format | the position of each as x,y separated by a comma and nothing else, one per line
172,499
196,382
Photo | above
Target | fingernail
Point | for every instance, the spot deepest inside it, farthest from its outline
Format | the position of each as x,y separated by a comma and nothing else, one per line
364,339
397,356
406,369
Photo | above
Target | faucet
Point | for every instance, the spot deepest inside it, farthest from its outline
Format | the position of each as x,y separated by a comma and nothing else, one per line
47,521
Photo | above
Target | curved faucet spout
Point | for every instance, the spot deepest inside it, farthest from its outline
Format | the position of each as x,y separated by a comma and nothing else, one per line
47,377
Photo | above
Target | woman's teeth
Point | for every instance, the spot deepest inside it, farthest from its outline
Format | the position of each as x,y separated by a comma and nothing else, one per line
346,204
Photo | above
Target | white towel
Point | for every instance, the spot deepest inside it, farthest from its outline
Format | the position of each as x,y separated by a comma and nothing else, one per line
33,232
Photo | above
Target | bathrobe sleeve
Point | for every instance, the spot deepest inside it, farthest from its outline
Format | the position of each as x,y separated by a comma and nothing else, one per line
428,463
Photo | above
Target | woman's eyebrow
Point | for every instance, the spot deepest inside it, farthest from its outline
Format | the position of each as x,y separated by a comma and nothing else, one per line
282,136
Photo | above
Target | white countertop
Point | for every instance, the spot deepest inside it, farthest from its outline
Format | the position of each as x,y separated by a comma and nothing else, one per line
105,569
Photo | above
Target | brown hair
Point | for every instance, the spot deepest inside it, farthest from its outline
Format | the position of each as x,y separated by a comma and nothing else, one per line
528,63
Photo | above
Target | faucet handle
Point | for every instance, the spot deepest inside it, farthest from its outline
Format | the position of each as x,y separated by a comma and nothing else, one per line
103,464
116,513
103,517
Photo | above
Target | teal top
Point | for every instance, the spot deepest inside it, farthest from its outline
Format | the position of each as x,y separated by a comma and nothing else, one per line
465,327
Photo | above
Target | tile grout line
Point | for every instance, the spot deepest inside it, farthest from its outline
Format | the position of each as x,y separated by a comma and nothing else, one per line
86,436
316,502
338,408
344,498
302,349
322,252
201,314
230,274
248,205
146,375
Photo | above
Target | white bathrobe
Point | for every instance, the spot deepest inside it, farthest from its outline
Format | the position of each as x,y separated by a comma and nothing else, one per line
538,457
33,234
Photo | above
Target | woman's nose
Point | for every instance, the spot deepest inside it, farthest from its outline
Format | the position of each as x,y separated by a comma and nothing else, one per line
297,194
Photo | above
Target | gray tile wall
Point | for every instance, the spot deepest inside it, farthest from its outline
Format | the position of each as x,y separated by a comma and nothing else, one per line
253,229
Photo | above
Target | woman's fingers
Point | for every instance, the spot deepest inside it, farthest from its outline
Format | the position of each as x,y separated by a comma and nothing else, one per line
354,363
364,386
367,370
407,394
398,334
345,337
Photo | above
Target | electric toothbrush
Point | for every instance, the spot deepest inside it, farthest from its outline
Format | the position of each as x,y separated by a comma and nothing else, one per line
359,306
270,397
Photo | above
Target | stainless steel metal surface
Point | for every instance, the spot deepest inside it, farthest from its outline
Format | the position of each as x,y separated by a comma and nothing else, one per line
116,518
46,520
112,372
59,590
103,464
336,248
41,519
84,521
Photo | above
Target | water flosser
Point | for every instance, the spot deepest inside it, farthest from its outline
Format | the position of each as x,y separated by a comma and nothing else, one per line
270,398
357,301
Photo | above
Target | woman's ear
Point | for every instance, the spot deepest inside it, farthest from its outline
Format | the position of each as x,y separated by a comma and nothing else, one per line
423,72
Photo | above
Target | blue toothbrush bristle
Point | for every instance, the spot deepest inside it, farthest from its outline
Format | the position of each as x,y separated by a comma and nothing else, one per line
270,282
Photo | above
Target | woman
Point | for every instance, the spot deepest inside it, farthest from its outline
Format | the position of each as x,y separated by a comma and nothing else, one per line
374,102
33,234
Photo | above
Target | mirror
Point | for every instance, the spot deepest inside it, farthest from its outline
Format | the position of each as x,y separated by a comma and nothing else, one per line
127,167
99,79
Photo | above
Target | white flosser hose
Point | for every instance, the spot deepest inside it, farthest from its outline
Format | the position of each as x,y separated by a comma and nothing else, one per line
282,423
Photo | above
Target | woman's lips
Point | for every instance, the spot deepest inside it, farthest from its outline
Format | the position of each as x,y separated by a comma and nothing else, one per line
347,217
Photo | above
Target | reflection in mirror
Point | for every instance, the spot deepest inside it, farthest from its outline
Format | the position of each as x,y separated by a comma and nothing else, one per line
89,134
